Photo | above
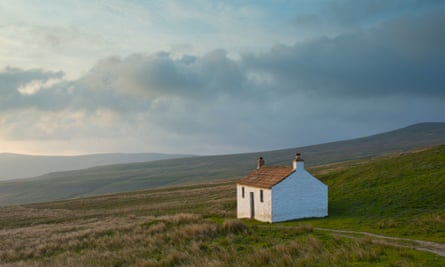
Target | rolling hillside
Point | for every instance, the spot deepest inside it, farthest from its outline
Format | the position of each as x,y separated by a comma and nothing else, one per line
194,225
14,166
130,177
401,194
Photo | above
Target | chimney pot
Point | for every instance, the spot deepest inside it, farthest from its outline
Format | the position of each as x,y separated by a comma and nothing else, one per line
260,162
298,161
298,157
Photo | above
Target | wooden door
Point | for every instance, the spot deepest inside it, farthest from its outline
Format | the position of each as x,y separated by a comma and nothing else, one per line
252,206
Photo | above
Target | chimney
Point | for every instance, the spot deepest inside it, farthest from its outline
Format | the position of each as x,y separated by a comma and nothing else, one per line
260,162
298,161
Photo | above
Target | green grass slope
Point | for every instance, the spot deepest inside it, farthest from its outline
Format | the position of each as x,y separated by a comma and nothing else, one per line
401,194
130,177
194,225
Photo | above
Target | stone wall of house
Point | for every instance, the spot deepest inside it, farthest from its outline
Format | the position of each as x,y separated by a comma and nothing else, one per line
262,206
299,196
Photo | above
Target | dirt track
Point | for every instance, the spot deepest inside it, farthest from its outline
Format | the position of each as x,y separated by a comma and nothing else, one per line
433,247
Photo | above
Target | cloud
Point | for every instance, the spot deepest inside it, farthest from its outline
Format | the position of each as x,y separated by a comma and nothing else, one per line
333,18
19,86
323,89
403,56
36,85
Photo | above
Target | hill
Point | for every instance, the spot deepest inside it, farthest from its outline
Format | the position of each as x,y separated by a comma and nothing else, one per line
15,166
194,225
130,177
400,194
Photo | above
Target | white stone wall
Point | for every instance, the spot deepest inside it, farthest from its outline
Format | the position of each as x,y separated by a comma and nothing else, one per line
299,196
262,209
242,204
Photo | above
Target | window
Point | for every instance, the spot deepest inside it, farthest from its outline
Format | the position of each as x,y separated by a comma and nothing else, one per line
261,196
242,192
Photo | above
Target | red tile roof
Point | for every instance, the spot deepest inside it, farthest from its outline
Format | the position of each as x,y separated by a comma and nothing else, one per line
266,176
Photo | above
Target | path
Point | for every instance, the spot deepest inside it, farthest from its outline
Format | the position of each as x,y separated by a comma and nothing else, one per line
433,247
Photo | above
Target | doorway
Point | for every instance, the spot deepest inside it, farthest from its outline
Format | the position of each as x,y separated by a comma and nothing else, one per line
252,206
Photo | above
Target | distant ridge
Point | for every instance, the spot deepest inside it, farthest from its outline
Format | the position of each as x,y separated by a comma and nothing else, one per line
136,176
408,138
14,166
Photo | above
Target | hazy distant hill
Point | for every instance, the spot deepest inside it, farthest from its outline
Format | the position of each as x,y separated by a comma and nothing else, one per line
129,177
13,166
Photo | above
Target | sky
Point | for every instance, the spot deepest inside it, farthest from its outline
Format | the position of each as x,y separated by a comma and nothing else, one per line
214,77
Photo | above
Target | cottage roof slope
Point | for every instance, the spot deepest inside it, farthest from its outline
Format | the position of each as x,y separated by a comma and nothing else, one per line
266,176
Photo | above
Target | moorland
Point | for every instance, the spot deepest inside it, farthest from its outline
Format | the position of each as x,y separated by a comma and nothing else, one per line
397,195
160,173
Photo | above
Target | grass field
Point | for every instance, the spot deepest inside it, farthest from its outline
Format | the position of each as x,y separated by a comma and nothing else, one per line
400,195
195,225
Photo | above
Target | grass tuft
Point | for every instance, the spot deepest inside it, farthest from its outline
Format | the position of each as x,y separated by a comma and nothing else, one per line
234,226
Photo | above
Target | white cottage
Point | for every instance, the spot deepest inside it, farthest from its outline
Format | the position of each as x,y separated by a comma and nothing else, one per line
277,193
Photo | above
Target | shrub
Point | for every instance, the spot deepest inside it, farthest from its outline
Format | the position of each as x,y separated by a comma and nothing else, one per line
180,218
196,231
234,226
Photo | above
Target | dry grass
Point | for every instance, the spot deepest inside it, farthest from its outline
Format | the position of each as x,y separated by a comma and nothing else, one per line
173,227
234,226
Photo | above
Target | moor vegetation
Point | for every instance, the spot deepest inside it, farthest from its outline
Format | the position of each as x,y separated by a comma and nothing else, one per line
195,225
400,195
